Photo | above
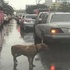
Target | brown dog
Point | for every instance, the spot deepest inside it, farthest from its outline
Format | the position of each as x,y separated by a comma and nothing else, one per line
29,51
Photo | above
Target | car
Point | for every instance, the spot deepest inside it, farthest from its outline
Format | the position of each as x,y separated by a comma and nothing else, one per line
38,20
55,28
40,17
27,22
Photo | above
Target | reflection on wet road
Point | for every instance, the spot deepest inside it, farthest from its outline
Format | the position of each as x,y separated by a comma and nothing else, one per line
10,35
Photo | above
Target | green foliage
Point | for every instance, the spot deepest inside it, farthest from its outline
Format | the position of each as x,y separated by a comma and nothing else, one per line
64,7
30,9
8,9
53,7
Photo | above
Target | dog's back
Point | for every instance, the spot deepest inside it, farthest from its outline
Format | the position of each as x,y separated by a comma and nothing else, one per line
30,50
23,49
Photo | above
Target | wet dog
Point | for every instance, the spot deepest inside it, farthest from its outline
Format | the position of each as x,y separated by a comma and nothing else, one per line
30,51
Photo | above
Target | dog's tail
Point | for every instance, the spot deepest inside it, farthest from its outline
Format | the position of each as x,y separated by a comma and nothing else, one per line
12,51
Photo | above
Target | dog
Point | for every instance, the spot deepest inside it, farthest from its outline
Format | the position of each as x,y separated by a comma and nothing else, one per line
29,51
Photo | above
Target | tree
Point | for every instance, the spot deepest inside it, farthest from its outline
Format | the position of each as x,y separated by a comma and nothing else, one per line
8,9
53,7
64,7
38,1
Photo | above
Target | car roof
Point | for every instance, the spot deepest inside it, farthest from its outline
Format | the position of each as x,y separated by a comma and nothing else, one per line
60,12
43,12
30,14
52,13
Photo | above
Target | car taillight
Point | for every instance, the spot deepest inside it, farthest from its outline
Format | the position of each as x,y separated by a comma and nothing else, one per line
55,30
52,67
18,28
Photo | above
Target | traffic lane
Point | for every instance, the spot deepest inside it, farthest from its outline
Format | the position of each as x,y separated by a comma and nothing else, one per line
58,55
27,37
12,37
61,59
1,40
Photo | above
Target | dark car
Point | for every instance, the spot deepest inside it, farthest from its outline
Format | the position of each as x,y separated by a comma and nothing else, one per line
28,22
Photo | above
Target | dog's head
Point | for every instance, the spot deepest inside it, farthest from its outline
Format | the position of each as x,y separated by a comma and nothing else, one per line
42,47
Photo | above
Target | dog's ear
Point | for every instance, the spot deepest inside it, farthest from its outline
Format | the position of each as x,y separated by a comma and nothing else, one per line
44,46
38,47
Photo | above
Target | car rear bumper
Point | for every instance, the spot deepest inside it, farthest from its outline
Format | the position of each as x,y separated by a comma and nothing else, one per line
54,38
27,27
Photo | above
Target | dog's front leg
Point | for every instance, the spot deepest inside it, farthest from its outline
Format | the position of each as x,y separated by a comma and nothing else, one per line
30,59
30,63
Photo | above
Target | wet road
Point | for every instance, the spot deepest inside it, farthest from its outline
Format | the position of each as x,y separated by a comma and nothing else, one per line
9,36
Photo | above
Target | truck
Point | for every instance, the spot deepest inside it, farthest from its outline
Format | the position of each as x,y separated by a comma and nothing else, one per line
54,31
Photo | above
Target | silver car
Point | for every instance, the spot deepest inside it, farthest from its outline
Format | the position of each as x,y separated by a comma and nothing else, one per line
55,28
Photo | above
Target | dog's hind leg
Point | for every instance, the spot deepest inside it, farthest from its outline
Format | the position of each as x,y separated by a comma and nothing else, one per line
15,60
15,63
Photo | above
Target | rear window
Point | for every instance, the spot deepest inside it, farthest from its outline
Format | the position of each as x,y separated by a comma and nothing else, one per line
31,16
60,18
42,15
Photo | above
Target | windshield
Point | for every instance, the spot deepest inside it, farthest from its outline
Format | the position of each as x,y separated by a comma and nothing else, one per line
42,15
60,18
31,16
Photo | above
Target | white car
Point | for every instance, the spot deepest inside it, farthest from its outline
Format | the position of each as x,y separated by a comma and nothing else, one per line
55,28
55,32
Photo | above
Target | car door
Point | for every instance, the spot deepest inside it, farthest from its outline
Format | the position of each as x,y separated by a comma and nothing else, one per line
40,27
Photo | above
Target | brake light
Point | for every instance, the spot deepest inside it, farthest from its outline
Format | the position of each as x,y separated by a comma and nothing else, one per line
56,30
52,67
53,31
18,29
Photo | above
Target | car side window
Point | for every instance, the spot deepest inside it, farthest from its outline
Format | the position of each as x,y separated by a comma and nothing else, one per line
44,20
40,16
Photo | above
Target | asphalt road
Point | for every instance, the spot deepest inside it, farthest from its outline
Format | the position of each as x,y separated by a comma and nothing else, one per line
10,35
